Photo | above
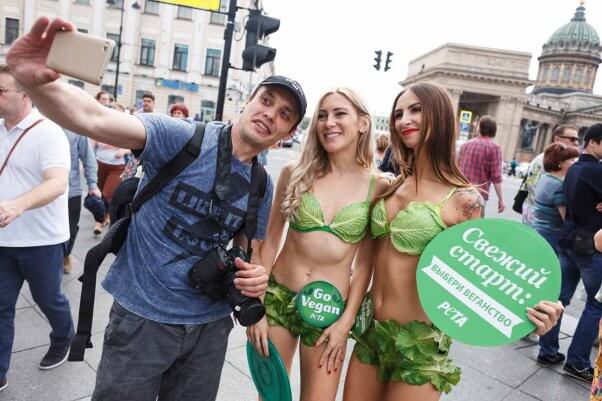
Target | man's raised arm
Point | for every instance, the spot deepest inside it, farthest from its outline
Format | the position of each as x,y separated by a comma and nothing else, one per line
67,105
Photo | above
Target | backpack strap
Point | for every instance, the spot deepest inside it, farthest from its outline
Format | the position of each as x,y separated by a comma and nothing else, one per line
259,181
115,237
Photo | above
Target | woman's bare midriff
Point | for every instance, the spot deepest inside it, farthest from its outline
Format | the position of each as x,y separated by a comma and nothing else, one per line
394,289
314,256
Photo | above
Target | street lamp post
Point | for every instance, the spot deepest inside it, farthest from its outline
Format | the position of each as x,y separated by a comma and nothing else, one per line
135,6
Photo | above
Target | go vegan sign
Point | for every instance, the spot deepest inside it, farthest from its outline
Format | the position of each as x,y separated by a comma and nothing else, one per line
476,279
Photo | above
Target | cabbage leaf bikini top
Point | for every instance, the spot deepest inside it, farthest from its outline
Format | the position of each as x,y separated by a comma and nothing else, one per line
413,227
349,224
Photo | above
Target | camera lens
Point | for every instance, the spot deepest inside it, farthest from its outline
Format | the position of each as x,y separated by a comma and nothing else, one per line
250,312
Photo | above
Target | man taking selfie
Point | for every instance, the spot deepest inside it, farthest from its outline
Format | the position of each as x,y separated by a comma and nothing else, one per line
165,338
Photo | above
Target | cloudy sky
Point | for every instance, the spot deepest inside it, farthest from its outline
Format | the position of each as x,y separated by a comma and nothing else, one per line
327,43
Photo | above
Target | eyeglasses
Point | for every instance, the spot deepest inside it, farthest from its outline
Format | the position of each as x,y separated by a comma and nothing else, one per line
572,138
2,90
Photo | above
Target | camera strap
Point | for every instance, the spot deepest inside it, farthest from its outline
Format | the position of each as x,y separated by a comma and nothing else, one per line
255,197
221,188
221,185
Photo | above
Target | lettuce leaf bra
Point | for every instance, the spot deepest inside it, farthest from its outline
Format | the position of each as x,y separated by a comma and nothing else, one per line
349,224
413,227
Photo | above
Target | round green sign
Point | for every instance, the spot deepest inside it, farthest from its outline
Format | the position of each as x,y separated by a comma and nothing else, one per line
476,279
319,304
269,374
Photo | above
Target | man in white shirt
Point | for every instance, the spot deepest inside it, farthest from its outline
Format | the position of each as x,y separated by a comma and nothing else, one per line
34,224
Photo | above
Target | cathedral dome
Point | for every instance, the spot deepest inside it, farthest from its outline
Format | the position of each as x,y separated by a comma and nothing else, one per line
570,58
576,32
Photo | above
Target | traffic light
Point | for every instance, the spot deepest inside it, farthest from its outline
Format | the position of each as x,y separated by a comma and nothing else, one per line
258,26
388,61
378,57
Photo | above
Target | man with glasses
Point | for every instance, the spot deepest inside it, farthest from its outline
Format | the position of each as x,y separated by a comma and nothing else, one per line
566,134
34,224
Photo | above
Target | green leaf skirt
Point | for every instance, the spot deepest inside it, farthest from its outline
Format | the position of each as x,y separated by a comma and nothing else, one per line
280,310
415,353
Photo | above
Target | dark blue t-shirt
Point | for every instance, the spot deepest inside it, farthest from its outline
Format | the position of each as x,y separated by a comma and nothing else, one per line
175,228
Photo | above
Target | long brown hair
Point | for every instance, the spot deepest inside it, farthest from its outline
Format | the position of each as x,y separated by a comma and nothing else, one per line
439,122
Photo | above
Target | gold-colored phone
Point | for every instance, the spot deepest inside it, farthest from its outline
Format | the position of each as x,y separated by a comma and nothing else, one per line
80,56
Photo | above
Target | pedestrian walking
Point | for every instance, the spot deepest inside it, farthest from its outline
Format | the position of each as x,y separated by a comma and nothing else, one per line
112,162
550,205
565,134
480,160
80,149
34,224
579,259
513,165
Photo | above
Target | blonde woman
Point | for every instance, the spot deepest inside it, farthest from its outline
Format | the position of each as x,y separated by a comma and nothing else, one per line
432,194
325,197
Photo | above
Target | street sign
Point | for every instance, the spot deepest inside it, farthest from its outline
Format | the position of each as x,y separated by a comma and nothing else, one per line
465,116
209,5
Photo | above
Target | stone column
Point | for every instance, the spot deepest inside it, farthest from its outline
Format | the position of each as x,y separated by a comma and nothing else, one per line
508,116
455,94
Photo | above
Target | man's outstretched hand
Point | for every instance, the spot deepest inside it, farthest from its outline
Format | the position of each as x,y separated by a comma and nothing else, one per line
27,56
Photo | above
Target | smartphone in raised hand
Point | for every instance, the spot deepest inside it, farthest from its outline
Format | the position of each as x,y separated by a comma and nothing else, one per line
80,56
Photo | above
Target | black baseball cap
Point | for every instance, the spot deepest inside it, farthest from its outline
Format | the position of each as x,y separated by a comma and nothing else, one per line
292,86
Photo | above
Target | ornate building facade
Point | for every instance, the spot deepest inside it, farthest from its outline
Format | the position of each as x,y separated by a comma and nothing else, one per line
171,51
495,82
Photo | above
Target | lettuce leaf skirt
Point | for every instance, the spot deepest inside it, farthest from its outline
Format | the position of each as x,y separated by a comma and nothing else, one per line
280,310
415,353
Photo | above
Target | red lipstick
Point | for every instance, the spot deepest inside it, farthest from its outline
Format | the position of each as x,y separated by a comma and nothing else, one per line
409,131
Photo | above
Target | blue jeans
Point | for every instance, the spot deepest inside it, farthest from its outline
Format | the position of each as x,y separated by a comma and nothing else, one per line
42,267
589,269
551,236
143,359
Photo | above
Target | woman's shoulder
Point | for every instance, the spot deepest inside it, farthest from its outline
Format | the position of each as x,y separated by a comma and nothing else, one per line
468,203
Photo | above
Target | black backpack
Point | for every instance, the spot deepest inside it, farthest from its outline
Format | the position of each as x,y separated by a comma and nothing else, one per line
128,201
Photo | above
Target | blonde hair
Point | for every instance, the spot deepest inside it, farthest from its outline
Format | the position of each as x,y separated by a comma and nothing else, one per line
313,161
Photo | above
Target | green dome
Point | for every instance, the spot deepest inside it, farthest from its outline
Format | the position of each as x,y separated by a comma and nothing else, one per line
576,31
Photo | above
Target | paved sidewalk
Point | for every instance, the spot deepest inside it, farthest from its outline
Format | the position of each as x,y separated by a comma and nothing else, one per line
507,373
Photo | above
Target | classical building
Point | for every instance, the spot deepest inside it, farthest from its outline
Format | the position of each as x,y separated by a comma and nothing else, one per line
173,52
495,82
380,124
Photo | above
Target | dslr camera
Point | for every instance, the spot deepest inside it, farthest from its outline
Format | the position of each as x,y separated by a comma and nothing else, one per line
215,274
